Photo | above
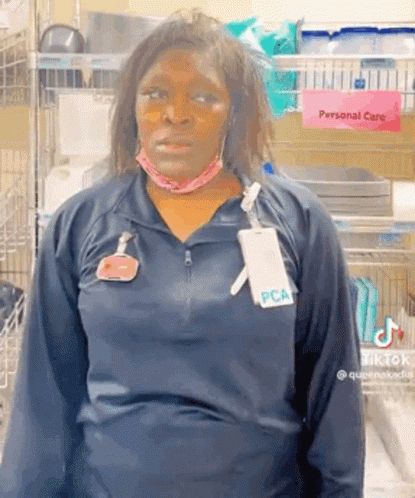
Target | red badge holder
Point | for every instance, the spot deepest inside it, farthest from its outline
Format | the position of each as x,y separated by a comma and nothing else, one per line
119,266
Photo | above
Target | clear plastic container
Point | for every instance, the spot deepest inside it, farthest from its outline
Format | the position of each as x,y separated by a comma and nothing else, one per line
399,41
356,40
315,42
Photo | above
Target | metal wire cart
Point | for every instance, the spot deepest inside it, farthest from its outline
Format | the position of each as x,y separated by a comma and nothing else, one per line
15,233
380,249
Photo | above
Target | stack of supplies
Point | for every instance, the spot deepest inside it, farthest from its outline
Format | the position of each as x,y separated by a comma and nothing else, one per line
365,297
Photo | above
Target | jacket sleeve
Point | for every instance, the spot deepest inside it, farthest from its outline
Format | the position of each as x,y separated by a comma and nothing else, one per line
328,345
42,431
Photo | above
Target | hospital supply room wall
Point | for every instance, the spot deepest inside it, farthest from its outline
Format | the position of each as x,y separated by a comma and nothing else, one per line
368,11
270,10
386,154
63,11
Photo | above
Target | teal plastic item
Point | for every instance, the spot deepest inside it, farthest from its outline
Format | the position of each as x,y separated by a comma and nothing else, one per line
266,45
237,28
361,309
372,310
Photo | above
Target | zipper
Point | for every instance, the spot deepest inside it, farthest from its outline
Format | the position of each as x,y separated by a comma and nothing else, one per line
188,264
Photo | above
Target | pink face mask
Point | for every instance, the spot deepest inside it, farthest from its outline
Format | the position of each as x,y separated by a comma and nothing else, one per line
178,187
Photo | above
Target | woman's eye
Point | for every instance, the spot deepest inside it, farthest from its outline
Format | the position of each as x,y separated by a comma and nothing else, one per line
155,94
205,98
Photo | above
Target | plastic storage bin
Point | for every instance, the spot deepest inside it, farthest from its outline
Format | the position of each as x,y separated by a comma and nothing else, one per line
339,181
345,190
356,40
381,240
315,42
399,41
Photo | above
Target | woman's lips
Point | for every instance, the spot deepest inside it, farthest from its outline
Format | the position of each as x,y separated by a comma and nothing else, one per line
172,147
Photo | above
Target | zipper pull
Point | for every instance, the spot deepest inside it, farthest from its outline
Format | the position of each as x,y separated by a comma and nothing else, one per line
188,258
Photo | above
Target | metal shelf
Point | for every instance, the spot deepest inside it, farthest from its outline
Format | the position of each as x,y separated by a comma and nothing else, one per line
350,73
388,362
14,221
299,58
14,82
10,343
373,224
337,72
113,61
103,62
10,346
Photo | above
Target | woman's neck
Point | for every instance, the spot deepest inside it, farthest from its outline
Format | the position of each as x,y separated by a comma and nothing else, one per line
185,213
222,186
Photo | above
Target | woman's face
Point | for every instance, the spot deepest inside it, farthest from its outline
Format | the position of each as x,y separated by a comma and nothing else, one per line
182,111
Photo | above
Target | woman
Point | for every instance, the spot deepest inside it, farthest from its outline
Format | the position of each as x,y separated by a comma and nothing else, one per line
162,383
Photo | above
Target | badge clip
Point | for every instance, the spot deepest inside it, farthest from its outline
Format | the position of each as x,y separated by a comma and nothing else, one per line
119,266
247,204
250,194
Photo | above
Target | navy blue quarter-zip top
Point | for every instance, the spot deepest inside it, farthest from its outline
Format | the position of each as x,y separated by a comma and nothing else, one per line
168,386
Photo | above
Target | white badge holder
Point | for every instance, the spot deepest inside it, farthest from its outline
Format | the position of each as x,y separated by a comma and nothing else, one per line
264,266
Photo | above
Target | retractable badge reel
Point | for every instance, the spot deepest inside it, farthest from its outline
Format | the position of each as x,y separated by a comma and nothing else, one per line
119,266
264,265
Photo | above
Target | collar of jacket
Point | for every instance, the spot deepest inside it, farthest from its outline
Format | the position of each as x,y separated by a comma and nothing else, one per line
136,206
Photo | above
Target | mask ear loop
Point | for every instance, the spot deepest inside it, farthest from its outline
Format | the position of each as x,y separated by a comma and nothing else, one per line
220,155
230,122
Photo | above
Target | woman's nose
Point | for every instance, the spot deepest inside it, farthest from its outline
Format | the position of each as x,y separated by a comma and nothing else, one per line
177,113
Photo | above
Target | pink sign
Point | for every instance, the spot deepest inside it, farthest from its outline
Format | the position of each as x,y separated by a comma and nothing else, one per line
372,110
